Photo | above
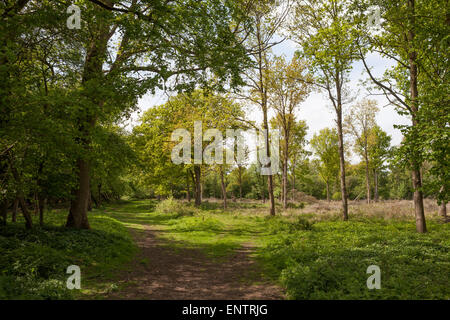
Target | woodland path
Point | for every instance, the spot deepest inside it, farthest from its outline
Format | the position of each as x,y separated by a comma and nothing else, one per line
162,272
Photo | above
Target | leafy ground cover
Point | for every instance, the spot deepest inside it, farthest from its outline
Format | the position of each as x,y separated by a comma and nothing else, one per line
33,263
312,256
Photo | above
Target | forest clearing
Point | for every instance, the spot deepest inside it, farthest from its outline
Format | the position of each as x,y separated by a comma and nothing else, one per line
171,250
224,150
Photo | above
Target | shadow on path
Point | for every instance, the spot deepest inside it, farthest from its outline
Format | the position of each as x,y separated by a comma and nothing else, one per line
161,272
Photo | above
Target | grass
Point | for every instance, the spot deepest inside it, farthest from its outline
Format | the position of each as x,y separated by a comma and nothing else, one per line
312,255
317,256
330,261
33,263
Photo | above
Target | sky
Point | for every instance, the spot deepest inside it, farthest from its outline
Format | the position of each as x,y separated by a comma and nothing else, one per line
316,110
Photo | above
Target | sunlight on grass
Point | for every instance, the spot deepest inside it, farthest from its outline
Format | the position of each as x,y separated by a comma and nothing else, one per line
314,256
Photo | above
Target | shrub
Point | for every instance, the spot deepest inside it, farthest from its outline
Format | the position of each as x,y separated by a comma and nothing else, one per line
336,196
277,225
293,205
170,205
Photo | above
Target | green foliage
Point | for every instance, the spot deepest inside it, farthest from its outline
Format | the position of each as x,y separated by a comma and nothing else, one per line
325,146
33,263
336,196
151,139
330,260
315,256
293,205
277,226
173,206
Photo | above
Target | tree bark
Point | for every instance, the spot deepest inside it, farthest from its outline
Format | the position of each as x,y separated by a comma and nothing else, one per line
14,210
293,182
224,190
42,202
263,194
375,190
240,182
366,160
342,164
419,211
285,164
20,196
92,73
416,176
263,96
25,212
90,200
188,193
197,182
4,211
78,210
35,204
443,210
269,177
328,191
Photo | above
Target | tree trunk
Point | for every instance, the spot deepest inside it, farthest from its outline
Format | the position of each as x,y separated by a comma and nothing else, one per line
78,210
4,212
26,214
35,204
263,193
240,182
421,226
375,190
197,182
201,191
20,196
188,194
342,165
328,191
416,177
443,210
366,160
263,96
14,210
92,75
269,177
293,182
42,201
285,164
224,190
90,200
443,207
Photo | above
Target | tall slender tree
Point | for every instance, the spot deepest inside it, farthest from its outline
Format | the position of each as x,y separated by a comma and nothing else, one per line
359,123
286,93
327,37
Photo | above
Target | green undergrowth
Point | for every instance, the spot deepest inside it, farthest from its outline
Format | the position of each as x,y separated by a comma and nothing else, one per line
316,256
312,256
33,263
330,261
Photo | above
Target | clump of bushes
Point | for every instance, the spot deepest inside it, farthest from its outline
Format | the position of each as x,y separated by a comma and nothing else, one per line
336,196
279,226
206,205
293,205
172,206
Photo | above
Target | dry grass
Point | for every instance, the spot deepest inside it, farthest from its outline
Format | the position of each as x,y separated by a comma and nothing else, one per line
386,209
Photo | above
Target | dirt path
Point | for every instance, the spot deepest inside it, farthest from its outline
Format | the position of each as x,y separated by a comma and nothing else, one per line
160,272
